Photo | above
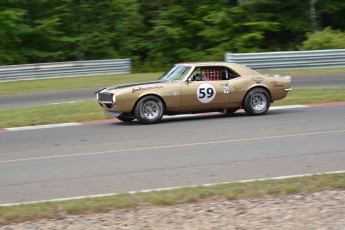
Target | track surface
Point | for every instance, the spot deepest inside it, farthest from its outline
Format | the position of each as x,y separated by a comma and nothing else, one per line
117,157
107,158
35,99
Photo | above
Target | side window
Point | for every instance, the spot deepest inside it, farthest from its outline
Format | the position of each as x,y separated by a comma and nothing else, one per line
197,74
228,74
213,73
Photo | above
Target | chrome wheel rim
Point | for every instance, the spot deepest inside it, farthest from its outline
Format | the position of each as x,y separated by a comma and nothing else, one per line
151,110
258,101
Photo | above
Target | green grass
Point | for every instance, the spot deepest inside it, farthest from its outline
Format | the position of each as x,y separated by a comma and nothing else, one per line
30,86
52,114
90,110
229,191
300,96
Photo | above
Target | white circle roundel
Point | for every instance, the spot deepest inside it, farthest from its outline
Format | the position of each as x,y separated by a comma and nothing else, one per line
206,93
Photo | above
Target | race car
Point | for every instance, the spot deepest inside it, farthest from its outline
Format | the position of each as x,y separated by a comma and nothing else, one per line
194,88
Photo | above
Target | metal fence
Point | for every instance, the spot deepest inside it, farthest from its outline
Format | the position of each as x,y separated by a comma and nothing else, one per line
290,59
263,60
64,69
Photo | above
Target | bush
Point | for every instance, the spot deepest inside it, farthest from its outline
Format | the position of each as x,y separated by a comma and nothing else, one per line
325,39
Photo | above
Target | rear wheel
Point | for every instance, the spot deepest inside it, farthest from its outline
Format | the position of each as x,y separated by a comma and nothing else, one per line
125,117
257,101
149,110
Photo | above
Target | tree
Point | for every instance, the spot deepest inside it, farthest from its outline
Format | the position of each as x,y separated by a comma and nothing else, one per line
11,33
35,29
330,13
158,32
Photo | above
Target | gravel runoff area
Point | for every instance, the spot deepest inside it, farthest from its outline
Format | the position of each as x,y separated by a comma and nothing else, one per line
321,210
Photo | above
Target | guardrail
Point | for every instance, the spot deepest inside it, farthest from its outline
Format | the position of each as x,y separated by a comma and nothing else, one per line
64,69
290,59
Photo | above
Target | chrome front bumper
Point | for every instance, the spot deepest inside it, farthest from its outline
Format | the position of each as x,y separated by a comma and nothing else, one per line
288,90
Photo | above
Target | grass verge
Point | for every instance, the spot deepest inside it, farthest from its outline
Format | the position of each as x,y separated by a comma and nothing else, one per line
52,114
301,96
90,110
230,191
30,86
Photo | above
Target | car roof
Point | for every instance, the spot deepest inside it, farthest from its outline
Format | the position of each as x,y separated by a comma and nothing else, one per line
241,69
207,63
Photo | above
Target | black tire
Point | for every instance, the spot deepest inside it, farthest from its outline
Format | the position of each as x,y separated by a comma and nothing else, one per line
149,110
257,101
125,117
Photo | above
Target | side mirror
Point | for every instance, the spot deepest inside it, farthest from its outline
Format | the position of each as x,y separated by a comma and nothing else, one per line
189,80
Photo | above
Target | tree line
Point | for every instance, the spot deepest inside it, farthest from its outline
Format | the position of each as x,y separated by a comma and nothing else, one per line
157,33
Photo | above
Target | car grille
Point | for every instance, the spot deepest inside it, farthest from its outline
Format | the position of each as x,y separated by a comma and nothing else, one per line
105,97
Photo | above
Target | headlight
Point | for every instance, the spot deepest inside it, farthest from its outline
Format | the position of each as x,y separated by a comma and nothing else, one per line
114,98
97,97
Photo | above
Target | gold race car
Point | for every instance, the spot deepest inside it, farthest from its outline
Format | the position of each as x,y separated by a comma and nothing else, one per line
194,88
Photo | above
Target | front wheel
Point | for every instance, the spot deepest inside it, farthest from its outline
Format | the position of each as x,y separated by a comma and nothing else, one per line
149,110
257,101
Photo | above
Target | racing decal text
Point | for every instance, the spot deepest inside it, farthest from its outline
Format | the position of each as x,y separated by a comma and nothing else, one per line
141,88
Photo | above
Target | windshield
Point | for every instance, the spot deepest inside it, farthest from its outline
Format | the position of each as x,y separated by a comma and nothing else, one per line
178,72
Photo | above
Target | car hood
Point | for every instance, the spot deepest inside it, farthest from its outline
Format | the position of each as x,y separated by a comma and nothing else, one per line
130,85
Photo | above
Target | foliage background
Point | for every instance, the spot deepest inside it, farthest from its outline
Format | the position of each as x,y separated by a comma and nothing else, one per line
158,33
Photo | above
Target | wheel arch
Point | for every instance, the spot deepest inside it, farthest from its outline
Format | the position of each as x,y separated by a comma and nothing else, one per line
146,95
257,87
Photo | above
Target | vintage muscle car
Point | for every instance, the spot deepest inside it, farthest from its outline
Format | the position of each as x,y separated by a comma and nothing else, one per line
194,88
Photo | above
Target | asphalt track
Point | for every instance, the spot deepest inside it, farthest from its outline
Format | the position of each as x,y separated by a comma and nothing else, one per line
117,157
36,99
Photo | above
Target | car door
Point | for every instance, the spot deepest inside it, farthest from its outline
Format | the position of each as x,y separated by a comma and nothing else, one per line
204,95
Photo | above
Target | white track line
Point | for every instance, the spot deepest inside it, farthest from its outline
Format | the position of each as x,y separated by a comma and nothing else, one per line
165,117
43,126
288,107
171,188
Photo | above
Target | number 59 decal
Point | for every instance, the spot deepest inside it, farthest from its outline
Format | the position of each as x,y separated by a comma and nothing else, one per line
206,93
